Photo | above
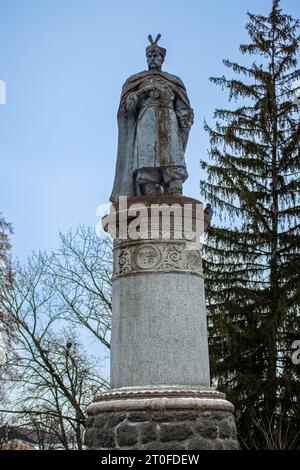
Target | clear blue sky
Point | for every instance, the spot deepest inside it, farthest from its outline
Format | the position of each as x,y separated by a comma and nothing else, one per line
64,62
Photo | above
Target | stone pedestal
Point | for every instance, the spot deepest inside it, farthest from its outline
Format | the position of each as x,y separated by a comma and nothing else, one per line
160,395
162,419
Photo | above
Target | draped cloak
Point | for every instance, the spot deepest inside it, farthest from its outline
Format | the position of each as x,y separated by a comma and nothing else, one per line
124,183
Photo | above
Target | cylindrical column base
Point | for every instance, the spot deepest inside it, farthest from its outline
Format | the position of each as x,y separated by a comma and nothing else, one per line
162,420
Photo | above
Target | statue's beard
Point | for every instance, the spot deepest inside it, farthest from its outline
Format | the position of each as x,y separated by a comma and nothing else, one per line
154,65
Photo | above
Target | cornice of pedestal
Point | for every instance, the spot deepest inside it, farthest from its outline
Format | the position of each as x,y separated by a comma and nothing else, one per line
160,399
161,199
162,391
185,211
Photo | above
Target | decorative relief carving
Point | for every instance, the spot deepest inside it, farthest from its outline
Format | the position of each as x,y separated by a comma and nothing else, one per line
123,261
156,257
193,260
147,256
174,256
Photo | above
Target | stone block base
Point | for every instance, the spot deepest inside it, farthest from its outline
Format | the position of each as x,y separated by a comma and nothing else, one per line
203,421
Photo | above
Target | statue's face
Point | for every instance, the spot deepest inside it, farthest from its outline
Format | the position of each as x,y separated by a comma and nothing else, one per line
154,59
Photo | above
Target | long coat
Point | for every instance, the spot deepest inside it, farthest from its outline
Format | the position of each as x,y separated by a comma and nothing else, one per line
150,135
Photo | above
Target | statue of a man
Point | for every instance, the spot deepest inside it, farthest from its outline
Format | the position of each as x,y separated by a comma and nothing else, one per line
154,121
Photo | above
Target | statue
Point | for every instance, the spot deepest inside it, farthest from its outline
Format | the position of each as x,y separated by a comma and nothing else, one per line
154,120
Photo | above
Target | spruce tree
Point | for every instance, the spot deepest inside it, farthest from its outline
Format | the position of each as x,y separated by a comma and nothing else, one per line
251,254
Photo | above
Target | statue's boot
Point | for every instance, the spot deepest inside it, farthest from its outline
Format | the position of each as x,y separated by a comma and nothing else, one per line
150,189
175,188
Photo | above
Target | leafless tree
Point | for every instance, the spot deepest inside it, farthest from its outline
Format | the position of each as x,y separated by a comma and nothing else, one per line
54,378
5,261
6,284
275,432
81,274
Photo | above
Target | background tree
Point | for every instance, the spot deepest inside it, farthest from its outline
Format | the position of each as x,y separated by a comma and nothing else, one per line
252,258
80,272
6,283
5,264
52,378
6,276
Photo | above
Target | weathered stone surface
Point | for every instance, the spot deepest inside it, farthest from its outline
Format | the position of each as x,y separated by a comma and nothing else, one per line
89,437
116,418
100,420
187,415
104,438
233,431
126,434
89,421
138,416
225,428
148,432
164,446
221,414
207,429
229,444
205,444
162,416
172,432
188,429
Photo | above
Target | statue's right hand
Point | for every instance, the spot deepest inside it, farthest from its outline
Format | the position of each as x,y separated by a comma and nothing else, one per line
131,102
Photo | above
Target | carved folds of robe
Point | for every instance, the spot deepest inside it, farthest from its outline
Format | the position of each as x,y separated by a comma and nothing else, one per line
153,128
